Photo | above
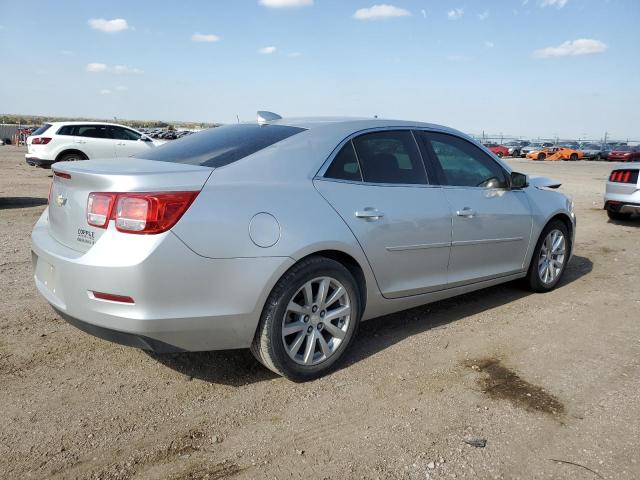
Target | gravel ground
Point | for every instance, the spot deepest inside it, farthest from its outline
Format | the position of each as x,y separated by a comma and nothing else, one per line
549,382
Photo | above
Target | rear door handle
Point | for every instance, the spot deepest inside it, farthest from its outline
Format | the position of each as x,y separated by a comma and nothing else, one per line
369,214
466,212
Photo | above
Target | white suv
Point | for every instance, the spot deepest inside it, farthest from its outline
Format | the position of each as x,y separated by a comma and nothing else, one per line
68,141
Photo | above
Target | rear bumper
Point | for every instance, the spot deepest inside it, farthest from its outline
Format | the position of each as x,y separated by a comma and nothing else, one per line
622,207
38,162
183,302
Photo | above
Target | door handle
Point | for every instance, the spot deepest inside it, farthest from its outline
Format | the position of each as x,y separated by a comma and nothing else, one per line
466,212
369,214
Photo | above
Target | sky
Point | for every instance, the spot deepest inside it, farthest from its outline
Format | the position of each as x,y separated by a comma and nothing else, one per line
566,68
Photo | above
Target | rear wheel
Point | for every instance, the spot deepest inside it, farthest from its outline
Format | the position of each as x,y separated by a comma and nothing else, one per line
309,320
573,157
617,215
541,156
549,258
71,157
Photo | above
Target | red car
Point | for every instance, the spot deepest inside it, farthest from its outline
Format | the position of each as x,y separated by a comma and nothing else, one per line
625,154
499,150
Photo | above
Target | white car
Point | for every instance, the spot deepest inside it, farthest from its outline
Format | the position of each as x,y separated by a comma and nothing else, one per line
622,196
70,141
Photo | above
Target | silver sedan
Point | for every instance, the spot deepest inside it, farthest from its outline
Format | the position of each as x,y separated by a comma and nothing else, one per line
283,235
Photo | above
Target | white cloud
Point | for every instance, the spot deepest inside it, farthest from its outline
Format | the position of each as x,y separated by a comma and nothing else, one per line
489,44
205,37
285,3
424,13
267,50
109,26
380,12
294,55
122,88
105,91
484,15
455,14
117,69
553,3
96,67
571,48
124,70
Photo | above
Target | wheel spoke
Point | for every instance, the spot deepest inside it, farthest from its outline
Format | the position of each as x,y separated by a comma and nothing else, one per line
308,294
323,288
297,343
337,293
334,331
337,313
310,348
295,308
326,350
293,327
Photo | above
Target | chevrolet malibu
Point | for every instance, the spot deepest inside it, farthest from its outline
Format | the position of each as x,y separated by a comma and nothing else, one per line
283,235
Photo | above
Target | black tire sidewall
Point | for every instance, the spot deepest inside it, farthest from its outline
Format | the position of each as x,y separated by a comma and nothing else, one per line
276,308
533,277
70,157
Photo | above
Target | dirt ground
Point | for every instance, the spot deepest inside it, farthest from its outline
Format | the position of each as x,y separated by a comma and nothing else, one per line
550,382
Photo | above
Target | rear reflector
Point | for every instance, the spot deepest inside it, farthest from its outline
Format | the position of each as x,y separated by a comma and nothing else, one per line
62,175
40,140
624,176
145,213
112,298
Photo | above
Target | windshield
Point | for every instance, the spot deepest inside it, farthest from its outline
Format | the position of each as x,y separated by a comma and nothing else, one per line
221,146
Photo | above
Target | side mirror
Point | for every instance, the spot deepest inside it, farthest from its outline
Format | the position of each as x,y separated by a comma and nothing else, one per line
519,180
144,138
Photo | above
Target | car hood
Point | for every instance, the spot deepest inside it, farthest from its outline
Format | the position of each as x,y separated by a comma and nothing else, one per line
543,182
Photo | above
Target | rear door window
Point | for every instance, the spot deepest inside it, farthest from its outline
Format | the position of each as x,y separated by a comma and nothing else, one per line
93,131
221,146
390,157
121,133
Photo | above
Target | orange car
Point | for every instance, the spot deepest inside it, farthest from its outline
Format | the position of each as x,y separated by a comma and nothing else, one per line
556,153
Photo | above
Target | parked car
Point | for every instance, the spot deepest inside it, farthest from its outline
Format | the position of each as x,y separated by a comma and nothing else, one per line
71,141
624,153
283,235
499,150
592,151
569,144
622,195
555,153
524,151
514,147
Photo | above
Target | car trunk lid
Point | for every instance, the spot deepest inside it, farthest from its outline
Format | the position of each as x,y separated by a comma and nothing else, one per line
74,181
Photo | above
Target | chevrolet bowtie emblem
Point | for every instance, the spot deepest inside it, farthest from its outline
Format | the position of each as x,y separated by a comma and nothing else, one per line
60,200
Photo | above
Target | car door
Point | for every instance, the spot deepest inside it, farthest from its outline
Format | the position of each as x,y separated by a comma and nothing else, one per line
378,185
491,223
128,142
94,140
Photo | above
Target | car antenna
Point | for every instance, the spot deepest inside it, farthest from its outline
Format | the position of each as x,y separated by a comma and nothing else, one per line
264,116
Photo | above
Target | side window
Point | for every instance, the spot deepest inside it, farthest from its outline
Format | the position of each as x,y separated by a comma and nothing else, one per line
463,164
121,133
390,157
67,130
92,131
345,165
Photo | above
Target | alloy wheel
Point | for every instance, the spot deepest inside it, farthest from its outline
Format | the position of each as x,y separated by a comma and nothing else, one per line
316,321
552,256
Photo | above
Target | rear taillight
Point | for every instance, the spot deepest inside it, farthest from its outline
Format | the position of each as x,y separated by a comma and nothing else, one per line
50,190
40,140
624,176
145,213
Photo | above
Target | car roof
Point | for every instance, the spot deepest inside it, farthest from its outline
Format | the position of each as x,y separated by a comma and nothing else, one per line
60,124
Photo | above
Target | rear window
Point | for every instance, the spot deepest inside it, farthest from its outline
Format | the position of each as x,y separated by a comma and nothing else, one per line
41,129
221,146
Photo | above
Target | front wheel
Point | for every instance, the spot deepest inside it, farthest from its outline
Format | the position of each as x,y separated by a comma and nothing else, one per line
549,258
309,320
500,154
573,157
541,156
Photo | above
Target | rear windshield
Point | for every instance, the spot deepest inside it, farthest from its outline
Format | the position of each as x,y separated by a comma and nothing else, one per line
41,129
221,146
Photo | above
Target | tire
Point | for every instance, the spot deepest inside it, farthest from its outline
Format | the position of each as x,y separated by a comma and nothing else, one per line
71,157
537,279
618,216
597,158
288,355
573,157
499,154
541,156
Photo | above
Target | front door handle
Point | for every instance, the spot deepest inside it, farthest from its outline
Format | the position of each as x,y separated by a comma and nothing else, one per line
369,214
466,212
